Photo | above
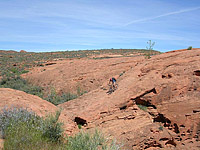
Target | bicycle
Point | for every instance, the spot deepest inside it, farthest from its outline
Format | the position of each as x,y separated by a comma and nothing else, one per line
112,88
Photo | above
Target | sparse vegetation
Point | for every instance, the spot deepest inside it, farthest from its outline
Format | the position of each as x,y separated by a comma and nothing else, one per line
13,64
15,115
161,128
50,128
147,56
189,48
16,82
56,99
142,107
25,130
80,91
107,57
150,49
79,126
11,60
91,141
121,74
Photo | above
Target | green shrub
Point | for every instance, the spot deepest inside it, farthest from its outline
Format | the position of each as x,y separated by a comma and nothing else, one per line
15,115
150,48
16,82
13,71
189,48
24,71
147,56
79,126
50,128
161,128
26,131
56,99
142,107
90,141
121,74
22,136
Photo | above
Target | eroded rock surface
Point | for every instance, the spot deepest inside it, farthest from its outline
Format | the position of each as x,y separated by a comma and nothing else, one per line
169,91
84,74
156,105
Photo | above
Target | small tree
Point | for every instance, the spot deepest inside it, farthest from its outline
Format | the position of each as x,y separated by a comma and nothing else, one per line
150,47
189,48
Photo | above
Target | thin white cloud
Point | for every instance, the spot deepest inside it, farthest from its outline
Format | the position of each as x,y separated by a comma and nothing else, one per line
163,15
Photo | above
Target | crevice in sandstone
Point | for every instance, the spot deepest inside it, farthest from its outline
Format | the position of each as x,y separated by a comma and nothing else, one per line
164,139
161,118
178,138
171,142
197,72
123,107
48,64
140,101
80,121
144,93
196,111
183,126
152,144
40,65
166,76
176,129
167,123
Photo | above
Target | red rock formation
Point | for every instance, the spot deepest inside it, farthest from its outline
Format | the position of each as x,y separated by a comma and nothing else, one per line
23,51
169,90
156,105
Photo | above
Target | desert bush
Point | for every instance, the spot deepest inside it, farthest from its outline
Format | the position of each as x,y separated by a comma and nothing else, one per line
121,74
24,71
160,128
55,99
12,71
147,56
16,82
142,107
22,136
150,48
90,141
15,115
49,127
80,91
79,126
52,129
189,48
24,130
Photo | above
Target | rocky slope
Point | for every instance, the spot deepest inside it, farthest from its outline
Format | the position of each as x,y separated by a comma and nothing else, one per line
156,105
86,74
168,87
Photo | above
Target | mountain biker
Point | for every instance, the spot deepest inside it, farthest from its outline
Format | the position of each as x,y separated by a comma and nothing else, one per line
112,82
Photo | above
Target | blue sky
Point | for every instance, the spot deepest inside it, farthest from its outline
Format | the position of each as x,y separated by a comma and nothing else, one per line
54,25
